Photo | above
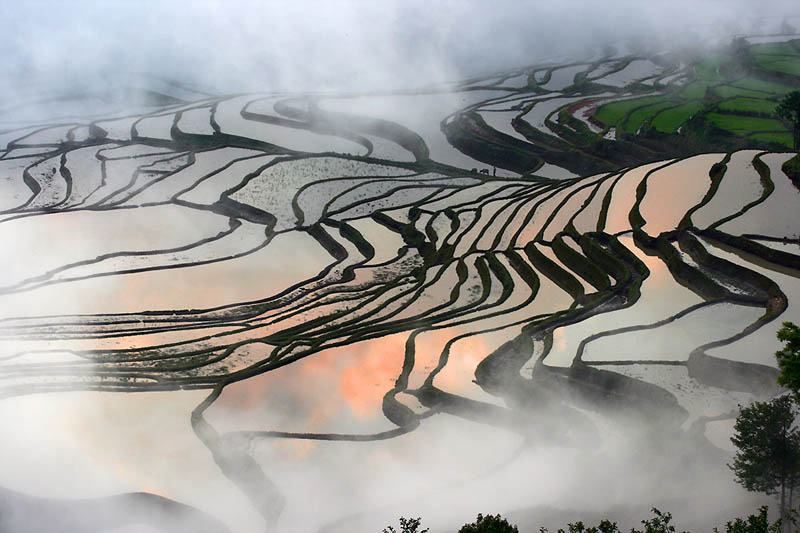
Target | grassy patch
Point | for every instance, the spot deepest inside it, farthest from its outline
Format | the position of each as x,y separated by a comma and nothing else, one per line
669,120
694,90
611,113
773,137
708,70
730,91
762,85
742,125
787,65
749,105
638,117
774,48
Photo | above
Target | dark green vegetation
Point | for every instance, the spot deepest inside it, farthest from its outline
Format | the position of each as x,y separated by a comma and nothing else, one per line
789,358
757,523
482,524
792,169
789,109
407,525
660,522
732,93
766,435
489,524
768,456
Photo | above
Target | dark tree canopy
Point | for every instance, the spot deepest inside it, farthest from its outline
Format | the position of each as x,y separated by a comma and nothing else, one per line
489,524
660,523
767,445
789,358
407,525
789,109
768,456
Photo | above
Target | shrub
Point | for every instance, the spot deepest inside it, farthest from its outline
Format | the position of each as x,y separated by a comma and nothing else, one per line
407,525
489,524
660,523
755,523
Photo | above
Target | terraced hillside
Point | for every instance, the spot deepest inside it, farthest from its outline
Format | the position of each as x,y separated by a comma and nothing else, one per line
340,269
614,111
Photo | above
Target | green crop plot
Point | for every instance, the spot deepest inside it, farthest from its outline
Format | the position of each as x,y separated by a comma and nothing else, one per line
762,85
787,65
708,70
694,90
730,91
742,125
610,114
777,137
669,120
775,49
749,105
638,117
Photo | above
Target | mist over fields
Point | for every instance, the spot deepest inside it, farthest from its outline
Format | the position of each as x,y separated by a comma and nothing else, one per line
310,266
339,45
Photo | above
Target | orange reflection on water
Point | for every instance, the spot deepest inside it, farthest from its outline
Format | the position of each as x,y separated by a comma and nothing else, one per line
339,390
623,197
672,191
363,372
465,355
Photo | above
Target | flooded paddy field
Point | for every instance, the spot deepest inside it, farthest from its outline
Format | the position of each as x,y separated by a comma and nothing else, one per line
239,304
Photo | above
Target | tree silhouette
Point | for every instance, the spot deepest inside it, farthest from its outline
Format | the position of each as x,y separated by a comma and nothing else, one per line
789,109
789,358
407,525
768,456
489,524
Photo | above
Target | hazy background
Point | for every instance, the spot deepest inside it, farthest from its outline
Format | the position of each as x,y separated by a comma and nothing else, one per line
53,47
316,45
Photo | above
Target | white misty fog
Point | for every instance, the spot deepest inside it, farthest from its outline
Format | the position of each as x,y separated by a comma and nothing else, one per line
340,45
88,445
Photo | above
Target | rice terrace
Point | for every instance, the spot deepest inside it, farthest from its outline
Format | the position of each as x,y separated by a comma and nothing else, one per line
322,310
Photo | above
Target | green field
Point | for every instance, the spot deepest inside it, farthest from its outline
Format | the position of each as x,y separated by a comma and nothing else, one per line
783,138
694,90
610,114
774,48
763,85
787,65
749,105
708,70
637,118
742,125
730,91
669,120
726,90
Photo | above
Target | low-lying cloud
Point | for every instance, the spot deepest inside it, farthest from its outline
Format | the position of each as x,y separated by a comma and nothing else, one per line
353,45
